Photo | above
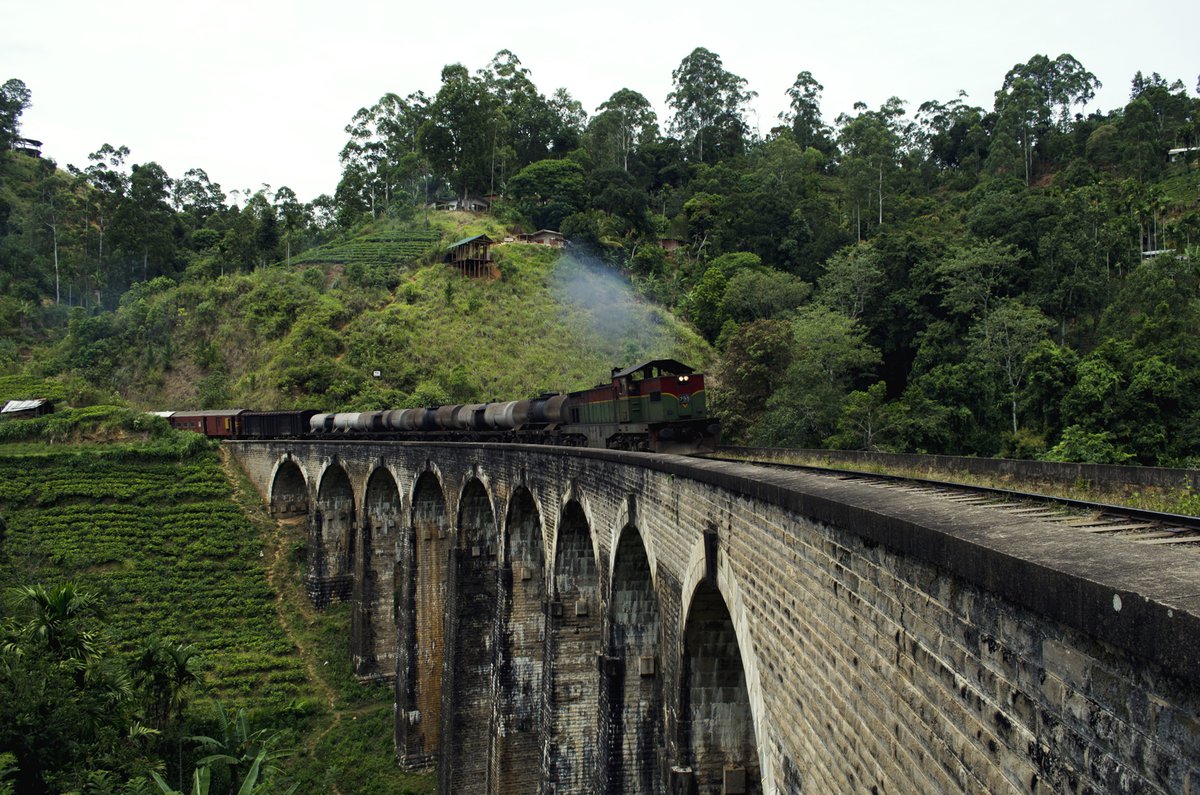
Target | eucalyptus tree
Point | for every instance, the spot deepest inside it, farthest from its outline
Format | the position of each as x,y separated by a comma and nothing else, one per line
854,279
871,145
195,194
622,124
952,138
55,208
105,185
458,137
1034,104
381,156
143,226
709,102
1002,341
571,121
293,217
803,116
531,121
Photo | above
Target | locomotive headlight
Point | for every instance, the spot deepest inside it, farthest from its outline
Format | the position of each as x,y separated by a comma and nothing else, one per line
683,379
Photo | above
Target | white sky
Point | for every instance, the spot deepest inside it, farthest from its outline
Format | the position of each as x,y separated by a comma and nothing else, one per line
260,91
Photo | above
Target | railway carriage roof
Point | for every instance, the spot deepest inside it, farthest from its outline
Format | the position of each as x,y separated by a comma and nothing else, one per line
216,413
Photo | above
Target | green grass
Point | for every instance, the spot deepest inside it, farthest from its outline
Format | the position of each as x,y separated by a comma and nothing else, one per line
24,387
313,336
390,247
1178,501
549,323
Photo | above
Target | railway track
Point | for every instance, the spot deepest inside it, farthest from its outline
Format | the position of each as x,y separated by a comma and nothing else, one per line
1133,524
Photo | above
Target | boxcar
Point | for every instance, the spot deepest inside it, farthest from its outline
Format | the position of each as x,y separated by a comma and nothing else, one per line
219,424
275,424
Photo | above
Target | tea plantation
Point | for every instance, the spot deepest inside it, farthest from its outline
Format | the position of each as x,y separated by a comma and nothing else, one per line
177,549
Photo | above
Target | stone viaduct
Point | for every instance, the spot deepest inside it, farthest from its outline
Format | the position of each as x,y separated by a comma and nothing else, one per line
565,620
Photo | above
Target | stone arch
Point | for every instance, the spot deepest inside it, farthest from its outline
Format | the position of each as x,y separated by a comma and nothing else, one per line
631,692
518,757
573,645
718,739
471,644
331,553
289,489
373,626
577,500
421,623
695,574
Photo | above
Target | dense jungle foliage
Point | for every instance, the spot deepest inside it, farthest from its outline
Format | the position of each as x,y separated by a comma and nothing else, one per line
1019,279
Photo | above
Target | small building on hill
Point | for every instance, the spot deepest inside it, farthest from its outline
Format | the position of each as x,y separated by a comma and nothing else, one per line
26,409
545,237
469,203
670,244
27,146
1182,153
472,257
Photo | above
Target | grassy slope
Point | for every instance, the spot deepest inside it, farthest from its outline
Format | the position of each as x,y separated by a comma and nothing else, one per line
312,336
548,323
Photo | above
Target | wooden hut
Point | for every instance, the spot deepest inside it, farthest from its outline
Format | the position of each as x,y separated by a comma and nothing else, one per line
473,258
26,409
545,237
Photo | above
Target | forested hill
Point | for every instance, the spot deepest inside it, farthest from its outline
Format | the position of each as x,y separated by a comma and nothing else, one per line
1019,278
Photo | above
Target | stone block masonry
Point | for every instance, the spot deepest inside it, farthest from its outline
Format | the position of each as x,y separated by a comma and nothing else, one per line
564,620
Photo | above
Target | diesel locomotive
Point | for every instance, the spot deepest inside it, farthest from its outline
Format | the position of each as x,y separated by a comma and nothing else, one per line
656,406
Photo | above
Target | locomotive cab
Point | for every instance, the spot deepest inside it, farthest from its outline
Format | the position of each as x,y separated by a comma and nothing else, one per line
663,402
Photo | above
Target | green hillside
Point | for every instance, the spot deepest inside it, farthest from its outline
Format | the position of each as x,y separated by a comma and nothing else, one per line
314,335
391,247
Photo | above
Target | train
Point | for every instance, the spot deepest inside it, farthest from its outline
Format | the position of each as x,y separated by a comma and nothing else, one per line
656,406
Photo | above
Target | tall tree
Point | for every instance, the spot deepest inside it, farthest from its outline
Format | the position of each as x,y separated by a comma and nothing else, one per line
871,147
54,208
14,100
531,122
109,184
381,159
571,121
709,102
143,226
1035,102
803,116
460,134
1003,341
198,196
292,216
623,123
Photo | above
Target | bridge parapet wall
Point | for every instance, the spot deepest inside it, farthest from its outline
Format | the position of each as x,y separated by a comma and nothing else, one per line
884,641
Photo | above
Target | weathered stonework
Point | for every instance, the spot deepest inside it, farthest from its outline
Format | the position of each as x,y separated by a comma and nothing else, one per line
593,621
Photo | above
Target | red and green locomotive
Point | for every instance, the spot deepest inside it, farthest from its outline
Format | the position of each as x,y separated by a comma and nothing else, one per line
658,405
